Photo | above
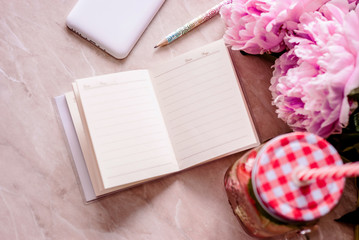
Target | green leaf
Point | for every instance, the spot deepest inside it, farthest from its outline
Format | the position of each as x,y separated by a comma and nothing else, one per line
347,145
356,121
354,94
351,148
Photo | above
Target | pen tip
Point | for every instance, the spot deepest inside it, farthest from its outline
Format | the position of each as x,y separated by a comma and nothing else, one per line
156,46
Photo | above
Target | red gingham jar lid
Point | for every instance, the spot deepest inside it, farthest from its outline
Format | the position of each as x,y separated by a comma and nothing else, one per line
275,188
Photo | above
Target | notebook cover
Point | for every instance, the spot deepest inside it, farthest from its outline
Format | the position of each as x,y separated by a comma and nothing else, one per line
75,149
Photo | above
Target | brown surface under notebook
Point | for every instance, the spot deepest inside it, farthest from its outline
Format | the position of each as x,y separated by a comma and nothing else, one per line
254,73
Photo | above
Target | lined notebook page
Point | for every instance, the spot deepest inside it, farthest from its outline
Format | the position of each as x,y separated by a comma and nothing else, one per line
126,127
203,106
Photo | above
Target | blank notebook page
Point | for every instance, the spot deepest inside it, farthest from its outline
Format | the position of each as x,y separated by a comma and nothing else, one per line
203,106
126,127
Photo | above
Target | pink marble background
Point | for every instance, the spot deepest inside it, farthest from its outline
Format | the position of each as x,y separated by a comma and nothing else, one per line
39,194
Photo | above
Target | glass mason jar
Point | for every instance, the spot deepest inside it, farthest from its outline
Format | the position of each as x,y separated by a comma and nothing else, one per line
265,196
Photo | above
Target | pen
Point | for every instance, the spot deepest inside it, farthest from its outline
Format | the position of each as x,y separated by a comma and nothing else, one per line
192,24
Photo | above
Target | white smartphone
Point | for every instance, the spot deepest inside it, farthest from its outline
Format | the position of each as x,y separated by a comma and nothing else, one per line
113,25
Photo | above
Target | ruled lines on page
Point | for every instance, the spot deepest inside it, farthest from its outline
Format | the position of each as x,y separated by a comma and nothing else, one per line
203,106
126,127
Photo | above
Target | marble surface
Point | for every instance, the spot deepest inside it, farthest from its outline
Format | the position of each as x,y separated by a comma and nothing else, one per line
39,194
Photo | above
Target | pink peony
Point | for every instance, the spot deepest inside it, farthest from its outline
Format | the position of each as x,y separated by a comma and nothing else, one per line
311,81
259,26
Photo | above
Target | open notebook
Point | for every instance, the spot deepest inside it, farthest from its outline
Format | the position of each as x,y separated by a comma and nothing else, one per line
138,125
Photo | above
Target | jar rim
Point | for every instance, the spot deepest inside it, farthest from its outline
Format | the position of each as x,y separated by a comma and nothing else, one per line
272,177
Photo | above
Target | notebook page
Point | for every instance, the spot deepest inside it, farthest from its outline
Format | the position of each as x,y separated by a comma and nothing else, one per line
127,131
86,150
203,105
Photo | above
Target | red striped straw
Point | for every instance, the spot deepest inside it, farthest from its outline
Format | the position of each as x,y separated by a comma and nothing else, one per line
336,172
